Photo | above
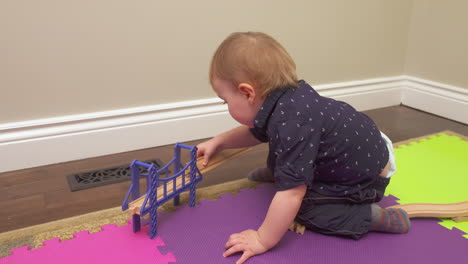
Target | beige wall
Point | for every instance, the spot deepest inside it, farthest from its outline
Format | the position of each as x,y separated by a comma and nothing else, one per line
438,41
61,57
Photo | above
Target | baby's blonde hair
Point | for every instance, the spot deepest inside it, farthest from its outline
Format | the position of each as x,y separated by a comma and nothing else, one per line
255,58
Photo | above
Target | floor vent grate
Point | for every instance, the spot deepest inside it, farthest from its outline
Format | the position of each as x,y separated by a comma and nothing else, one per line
96,178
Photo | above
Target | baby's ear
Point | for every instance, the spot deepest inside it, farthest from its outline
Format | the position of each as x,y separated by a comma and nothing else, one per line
247,90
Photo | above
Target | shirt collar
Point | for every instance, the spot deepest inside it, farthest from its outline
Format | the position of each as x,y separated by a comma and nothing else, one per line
268,105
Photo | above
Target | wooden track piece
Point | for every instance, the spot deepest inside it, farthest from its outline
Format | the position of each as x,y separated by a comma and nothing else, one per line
460,218
220,158
135,206
457,211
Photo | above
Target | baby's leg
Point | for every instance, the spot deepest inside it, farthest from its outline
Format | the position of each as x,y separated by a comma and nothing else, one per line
389,220
261,175
349,220
353,215
352,220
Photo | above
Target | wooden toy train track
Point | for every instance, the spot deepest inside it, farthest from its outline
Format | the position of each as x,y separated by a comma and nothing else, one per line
457,211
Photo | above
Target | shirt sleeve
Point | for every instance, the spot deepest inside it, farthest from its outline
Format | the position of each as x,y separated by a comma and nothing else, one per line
295,154
259,134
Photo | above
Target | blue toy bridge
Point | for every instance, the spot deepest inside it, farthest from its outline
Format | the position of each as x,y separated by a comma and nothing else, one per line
161,187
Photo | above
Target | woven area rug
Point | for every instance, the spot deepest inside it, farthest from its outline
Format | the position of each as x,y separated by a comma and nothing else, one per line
430,169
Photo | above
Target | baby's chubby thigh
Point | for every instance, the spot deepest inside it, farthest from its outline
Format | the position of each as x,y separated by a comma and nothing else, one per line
385,171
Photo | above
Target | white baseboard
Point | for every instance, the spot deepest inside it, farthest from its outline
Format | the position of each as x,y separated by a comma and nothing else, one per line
366,94
436,98
48,141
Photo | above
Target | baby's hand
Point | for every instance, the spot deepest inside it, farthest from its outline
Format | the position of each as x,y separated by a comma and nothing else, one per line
207,149
248,242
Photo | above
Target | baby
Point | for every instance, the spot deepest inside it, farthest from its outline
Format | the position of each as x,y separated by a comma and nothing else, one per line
330,163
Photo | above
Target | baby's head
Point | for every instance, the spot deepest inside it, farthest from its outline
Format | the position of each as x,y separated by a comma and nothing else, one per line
253,58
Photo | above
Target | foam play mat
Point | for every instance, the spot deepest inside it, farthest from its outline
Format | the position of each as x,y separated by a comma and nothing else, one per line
433,170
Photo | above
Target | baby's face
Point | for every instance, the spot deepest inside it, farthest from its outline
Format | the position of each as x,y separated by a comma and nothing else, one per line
240,107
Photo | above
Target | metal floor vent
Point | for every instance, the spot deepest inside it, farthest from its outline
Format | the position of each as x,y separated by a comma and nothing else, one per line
95,178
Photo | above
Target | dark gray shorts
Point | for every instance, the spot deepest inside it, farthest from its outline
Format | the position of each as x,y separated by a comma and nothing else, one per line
348,216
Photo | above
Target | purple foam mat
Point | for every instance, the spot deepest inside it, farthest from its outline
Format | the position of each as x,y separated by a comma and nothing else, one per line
198,235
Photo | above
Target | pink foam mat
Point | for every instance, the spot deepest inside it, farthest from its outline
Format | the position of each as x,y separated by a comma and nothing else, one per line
112,245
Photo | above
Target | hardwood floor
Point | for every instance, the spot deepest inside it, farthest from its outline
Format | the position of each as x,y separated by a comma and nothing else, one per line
38,195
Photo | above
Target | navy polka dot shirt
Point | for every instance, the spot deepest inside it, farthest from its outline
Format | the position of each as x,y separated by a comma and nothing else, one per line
318,141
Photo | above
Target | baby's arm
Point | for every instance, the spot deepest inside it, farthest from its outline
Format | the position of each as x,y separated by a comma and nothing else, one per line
239,137
283,209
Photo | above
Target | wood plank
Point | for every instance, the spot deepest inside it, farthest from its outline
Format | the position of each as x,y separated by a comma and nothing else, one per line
449,210
135,206
460,218
220,158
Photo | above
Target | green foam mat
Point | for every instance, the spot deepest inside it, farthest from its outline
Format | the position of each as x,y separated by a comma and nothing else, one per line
432,170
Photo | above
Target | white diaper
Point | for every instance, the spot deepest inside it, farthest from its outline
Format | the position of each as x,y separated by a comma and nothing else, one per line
391,156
